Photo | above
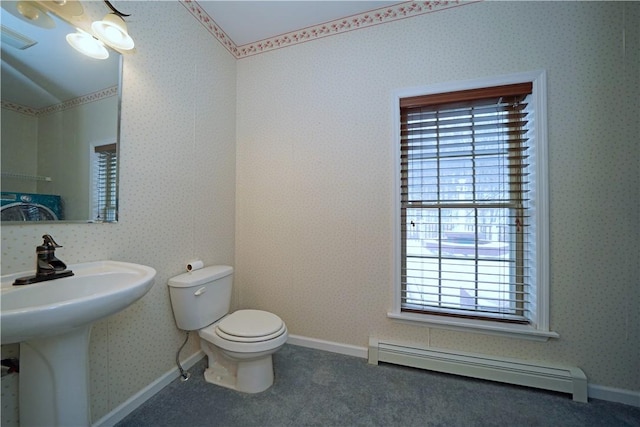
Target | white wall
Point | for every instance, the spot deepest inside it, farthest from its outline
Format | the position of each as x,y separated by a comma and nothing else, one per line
177,200
21,140
314,178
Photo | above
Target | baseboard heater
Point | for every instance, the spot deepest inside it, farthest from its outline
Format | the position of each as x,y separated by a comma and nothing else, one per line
512,371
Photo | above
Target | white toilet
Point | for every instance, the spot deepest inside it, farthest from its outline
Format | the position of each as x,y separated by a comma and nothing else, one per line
238,345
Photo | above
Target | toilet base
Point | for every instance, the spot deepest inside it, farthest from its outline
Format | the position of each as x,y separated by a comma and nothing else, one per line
247,375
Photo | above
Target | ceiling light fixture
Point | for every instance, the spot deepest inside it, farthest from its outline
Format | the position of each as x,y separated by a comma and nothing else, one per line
88,45
29,11
112,30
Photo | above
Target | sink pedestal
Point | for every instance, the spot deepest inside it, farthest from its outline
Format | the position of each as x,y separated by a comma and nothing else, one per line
52,322
54,380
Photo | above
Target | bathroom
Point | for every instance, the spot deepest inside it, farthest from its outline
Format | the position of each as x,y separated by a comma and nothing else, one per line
280,164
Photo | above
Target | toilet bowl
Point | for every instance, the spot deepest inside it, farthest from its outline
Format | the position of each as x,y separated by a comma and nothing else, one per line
239,349
239,346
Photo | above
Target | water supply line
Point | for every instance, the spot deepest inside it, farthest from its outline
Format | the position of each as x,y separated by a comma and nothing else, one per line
184,375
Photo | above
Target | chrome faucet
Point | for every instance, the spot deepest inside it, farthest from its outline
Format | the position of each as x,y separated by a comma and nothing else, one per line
48,267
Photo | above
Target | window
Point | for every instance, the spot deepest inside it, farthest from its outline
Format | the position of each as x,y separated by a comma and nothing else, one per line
471,208
105,188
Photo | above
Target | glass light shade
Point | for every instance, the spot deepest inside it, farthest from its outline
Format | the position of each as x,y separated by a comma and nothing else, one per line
87,45
28,10
113,31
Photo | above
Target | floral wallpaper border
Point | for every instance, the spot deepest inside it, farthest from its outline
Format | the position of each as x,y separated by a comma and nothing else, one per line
84,99
354,22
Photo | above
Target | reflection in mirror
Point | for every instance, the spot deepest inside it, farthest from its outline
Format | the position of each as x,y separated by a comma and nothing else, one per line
60,122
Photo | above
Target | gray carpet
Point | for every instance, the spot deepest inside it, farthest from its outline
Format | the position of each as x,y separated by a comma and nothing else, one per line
318,388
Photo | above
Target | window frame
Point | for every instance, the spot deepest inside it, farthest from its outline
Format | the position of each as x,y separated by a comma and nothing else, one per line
539,331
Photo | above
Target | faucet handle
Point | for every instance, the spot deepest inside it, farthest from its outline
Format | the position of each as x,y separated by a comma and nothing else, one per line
48,241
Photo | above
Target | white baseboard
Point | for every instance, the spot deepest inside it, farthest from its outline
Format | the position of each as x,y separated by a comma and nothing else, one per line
627,397
610,394
146,393
333,347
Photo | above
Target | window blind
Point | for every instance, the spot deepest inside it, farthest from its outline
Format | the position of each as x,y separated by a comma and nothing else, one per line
466,186
106,190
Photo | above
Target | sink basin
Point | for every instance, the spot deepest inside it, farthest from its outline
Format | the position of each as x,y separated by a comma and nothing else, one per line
97,290
52,321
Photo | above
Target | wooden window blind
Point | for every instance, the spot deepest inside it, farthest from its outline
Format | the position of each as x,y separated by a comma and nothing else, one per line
106,183
466,199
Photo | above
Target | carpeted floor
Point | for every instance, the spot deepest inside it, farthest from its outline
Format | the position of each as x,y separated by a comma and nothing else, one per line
318,388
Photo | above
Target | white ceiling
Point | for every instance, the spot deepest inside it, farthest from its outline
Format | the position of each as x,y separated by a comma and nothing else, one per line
244,22
250,21
61,73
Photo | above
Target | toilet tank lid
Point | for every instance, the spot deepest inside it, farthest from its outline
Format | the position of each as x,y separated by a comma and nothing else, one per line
198,277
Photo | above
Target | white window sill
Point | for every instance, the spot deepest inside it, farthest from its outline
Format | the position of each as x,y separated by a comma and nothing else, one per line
476,326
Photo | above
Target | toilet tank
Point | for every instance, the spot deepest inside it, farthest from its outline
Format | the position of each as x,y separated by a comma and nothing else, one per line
201,297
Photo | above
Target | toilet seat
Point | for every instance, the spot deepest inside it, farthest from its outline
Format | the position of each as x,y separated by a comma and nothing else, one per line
242,332
250,326
238,339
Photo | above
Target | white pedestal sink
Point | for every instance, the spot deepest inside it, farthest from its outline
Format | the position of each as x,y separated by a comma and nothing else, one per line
52,322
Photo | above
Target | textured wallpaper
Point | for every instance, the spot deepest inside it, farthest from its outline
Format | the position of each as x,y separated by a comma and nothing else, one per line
315,165
177,181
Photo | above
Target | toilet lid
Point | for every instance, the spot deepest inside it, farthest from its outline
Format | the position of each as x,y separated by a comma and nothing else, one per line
250,324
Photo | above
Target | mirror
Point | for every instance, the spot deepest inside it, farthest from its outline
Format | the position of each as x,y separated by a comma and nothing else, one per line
60,122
